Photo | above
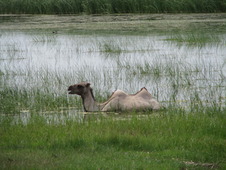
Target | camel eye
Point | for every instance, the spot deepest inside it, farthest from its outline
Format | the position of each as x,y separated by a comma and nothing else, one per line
80,87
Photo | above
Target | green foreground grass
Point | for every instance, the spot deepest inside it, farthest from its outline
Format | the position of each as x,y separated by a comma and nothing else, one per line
170,139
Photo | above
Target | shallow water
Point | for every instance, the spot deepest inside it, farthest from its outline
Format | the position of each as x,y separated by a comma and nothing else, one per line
171,70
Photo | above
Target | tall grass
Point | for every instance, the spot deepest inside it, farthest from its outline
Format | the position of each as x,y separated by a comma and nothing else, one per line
13,101
167,140
109,6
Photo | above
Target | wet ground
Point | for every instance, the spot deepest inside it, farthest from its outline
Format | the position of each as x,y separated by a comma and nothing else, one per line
123,22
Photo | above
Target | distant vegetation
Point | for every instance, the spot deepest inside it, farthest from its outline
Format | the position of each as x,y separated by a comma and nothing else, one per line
110,6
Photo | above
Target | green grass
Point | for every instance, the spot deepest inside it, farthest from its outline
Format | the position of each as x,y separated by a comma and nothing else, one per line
163,140
110,6
196,38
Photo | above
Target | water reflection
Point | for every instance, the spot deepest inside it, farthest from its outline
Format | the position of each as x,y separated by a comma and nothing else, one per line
49,117
70,115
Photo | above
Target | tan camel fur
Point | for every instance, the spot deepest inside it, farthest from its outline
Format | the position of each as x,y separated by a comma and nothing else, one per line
119,100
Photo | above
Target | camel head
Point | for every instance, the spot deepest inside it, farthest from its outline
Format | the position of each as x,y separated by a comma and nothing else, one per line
79,89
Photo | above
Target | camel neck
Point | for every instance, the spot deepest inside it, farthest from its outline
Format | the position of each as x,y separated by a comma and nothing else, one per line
89,102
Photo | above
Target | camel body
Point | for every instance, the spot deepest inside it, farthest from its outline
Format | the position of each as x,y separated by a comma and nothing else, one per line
118,101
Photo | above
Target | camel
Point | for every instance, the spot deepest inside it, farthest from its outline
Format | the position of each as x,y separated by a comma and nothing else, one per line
118,101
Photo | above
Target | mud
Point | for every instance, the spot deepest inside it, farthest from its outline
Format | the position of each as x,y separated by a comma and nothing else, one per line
125,22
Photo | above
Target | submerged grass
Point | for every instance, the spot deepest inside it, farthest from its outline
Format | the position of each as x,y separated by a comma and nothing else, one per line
196,38
163,140
109,47
13,101
110,6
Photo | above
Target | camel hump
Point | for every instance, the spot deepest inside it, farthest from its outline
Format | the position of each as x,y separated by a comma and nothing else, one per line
119,93
143,93
143,88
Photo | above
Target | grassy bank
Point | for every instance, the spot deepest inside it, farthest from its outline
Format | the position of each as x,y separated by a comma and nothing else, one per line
110,6
171,140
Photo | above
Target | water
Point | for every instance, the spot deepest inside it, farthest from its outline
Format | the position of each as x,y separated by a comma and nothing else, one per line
25,54
171,71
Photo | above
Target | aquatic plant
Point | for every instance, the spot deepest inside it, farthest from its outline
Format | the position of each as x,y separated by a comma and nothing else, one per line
110,6
109,47
195,38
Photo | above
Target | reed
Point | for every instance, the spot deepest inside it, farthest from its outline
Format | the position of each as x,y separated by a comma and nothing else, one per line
110,6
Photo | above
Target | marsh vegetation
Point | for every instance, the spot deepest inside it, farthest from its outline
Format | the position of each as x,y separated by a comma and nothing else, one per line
110,6
180,61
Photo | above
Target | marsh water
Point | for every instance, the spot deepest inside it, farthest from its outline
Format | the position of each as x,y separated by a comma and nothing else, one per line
180,59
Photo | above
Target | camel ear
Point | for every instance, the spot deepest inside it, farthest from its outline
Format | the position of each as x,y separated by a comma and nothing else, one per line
88,84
